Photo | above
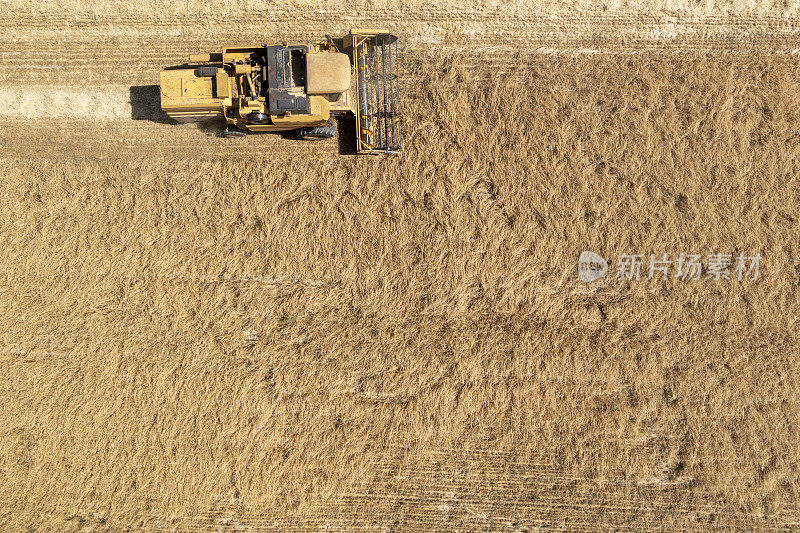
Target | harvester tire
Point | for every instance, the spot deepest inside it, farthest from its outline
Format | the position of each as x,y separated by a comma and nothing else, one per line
256,117
318,133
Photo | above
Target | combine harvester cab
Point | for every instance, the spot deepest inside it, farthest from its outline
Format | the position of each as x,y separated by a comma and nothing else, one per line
295,87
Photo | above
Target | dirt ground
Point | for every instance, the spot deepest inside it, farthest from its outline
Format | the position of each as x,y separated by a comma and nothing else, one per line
250,334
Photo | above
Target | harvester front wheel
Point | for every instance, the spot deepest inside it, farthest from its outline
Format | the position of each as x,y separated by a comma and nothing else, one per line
318,133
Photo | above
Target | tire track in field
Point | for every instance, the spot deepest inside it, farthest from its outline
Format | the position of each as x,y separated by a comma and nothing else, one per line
59,46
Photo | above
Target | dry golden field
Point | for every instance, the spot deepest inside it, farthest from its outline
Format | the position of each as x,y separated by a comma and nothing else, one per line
254,334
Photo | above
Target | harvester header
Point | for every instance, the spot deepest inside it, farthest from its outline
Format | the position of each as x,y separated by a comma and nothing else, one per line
377,72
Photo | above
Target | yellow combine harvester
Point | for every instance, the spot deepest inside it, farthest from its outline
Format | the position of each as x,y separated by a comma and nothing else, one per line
295,87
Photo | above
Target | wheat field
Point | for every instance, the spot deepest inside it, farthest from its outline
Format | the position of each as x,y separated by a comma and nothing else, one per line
265,334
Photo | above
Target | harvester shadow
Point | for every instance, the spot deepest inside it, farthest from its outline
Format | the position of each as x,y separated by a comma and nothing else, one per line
146,104
216,127
345,138
346,135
